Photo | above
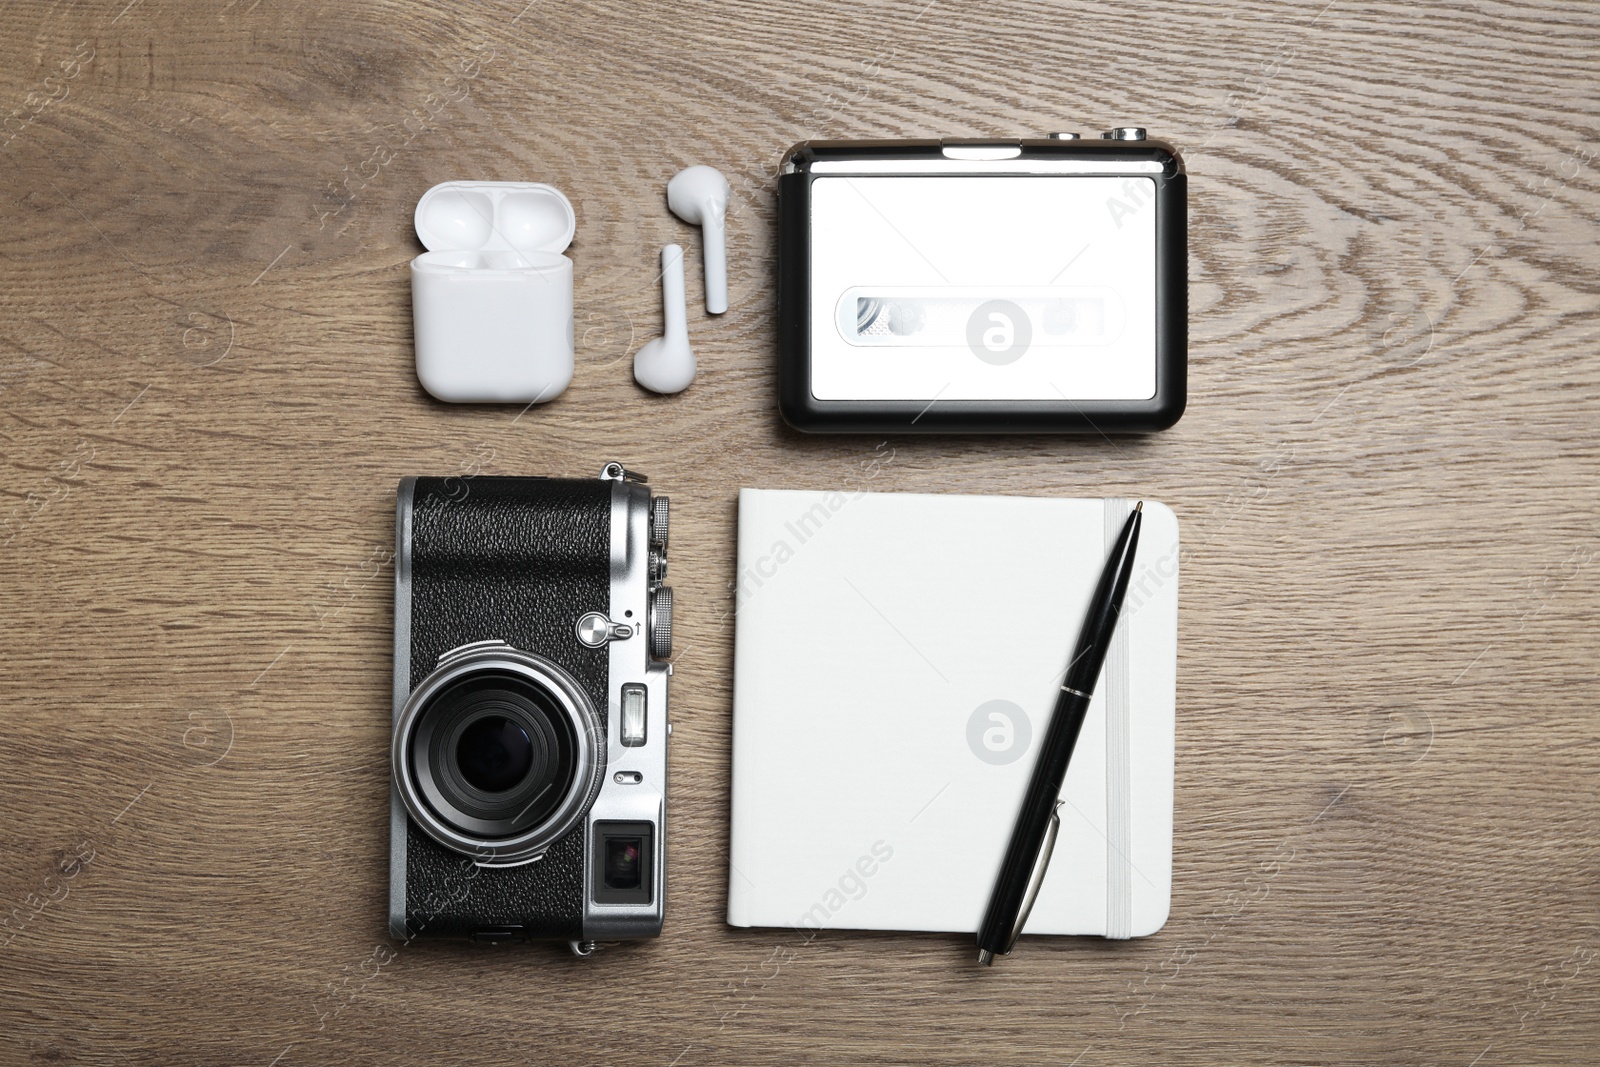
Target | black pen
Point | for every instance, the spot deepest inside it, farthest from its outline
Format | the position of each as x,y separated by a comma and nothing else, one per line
1034,835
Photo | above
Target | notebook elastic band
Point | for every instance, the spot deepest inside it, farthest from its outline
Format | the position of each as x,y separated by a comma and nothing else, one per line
1119,761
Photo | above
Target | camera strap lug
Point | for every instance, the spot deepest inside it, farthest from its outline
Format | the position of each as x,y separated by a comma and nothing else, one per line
616,472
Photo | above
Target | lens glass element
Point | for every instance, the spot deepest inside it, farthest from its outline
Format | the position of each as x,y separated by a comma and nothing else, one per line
494,753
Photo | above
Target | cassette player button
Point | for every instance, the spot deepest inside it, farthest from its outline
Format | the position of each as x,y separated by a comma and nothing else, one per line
968,148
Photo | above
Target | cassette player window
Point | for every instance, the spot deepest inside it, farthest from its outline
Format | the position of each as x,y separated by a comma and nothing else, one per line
983,288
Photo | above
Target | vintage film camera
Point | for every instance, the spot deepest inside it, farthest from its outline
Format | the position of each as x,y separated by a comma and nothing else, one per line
530,709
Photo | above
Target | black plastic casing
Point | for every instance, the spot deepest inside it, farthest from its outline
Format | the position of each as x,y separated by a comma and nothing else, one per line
805,412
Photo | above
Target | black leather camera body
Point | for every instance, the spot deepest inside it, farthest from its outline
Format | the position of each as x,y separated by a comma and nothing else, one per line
530,709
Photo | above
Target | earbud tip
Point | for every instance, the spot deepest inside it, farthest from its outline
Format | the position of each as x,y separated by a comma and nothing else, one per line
663,370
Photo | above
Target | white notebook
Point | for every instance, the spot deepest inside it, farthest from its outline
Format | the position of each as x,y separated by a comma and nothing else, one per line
896,660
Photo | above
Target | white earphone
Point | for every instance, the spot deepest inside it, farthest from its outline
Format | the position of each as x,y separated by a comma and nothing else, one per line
699,196
666,364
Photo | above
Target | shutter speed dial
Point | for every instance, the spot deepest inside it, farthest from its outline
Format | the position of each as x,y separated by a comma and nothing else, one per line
660,514
660,521
659,627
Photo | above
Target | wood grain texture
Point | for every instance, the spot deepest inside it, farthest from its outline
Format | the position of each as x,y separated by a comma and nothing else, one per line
1387,750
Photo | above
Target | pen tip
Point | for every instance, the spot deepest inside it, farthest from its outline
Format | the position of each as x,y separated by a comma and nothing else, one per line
1139,506
985,957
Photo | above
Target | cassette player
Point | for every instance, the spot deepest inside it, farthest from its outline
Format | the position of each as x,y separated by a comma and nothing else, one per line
983,286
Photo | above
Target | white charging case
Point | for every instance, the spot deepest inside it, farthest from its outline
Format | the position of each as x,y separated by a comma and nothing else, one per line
491,299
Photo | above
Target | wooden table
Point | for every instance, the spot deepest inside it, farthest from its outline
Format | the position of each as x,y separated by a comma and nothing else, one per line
1386,802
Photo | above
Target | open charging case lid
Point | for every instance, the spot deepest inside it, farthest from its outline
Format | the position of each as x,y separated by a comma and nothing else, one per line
502,222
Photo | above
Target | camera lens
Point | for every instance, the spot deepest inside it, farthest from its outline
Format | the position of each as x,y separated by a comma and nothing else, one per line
498,753
494,753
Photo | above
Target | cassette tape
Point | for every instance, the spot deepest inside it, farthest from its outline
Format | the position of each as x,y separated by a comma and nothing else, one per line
995,286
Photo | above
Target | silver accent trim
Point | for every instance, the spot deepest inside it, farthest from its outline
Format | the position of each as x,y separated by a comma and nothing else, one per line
404,498
1036,879
997,166
1077,692
630,662
487,866
467,649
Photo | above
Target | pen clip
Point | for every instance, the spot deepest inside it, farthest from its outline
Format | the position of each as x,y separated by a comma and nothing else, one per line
1036,879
